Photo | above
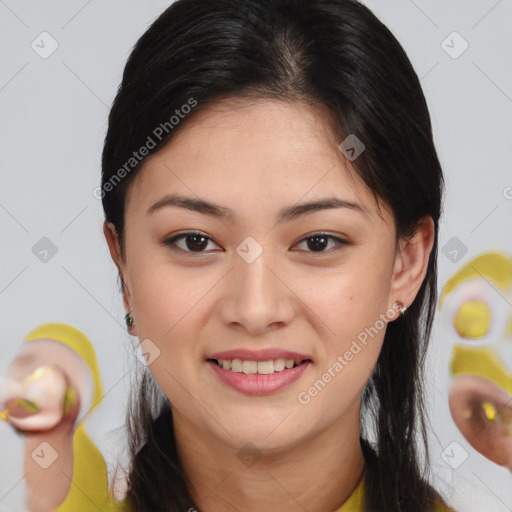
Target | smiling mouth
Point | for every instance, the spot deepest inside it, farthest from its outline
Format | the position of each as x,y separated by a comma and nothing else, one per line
258,367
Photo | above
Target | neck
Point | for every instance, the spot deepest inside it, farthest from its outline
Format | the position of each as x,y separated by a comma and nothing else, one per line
318,473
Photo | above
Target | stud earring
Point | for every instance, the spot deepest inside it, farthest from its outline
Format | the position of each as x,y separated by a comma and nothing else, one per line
403,309
129,319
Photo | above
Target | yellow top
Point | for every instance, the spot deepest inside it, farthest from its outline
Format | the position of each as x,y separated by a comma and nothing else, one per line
355,502
90,490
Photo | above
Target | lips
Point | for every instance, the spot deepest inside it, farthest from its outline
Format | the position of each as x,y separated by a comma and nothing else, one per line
256,384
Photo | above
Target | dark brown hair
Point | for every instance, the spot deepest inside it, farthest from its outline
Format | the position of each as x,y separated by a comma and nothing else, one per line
337,54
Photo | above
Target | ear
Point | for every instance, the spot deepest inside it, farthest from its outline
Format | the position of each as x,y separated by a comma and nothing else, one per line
411,262
109,230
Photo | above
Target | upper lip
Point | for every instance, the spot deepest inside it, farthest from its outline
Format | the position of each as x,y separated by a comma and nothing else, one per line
259,355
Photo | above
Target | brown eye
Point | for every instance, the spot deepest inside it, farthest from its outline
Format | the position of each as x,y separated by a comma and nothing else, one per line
317,242
194,242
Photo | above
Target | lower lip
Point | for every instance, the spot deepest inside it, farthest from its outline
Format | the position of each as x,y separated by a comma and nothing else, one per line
257,384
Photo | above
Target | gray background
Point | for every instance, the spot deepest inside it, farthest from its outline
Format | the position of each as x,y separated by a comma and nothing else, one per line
53,121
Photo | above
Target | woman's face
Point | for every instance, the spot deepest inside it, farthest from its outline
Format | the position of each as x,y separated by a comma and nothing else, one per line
255,282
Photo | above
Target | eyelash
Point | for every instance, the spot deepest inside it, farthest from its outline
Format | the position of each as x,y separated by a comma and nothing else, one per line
171,242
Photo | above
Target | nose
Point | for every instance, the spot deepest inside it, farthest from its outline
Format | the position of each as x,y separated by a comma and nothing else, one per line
257,297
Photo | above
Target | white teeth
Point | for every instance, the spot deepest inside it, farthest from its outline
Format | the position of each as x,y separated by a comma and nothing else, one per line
279,365
265,367
252,367
236,365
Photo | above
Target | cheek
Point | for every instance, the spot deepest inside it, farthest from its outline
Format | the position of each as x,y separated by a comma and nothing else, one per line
351,318
347,300
349,311
170,306
163,295
167,305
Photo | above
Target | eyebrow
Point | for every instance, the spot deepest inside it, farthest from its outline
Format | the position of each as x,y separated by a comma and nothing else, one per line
286,214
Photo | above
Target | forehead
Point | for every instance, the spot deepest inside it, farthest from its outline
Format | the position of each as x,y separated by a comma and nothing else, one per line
252,152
